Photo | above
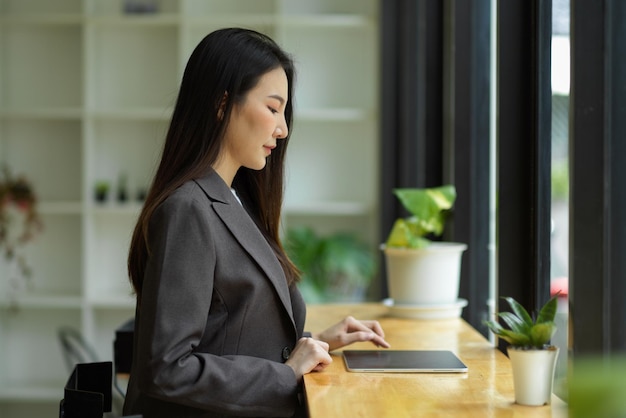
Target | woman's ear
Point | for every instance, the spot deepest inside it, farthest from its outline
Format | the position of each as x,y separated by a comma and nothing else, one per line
222,106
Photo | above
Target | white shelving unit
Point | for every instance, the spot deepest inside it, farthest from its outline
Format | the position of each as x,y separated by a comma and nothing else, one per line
86,93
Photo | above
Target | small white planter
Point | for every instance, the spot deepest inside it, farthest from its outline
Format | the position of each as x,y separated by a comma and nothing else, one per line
533,374
425,276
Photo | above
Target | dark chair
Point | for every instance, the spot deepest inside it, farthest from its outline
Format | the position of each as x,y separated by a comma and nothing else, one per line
75,348
87,393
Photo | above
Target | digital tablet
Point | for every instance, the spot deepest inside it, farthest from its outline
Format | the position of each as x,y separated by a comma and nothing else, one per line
403,361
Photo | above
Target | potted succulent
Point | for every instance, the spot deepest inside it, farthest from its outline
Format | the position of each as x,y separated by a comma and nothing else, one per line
101,190
533,358
122,188
421,272
337,267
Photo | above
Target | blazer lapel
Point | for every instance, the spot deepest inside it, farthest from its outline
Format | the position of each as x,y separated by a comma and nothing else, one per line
247,234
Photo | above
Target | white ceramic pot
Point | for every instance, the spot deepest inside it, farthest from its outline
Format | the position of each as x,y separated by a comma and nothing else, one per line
425,276
533,374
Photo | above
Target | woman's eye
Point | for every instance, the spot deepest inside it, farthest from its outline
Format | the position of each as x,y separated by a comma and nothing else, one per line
272,109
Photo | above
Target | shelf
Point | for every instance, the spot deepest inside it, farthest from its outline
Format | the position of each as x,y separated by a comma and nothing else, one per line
334,66
112,208
60,19
333,114
348,173
121,301
46,76
336,208
343,21
136,20
51,113
44,302
125,147
224,8
41,7
29,391
132,113
134,67
223,20
34,350
60,208
118,8
49,150
321,8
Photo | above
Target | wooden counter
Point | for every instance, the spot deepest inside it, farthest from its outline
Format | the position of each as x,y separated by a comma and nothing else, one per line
485,391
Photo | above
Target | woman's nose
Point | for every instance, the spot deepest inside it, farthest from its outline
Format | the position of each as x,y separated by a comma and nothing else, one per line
281,131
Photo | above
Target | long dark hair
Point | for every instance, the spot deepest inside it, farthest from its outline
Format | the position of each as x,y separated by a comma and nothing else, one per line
226,63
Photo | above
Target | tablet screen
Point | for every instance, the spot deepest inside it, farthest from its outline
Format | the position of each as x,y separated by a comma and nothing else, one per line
403,361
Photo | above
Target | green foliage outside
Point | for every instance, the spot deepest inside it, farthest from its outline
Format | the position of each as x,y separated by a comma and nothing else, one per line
560,180
335,268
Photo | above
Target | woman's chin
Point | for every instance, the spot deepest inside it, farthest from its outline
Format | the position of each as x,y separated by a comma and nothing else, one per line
257,166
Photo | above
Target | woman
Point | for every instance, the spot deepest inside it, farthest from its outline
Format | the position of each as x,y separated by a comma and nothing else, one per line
219,319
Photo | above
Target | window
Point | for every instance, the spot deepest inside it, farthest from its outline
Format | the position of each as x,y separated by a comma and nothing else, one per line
435,131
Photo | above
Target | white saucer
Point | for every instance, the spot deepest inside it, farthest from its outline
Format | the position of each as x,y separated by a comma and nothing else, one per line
452,310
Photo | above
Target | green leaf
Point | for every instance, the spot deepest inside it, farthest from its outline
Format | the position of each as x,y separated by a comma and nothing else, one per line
514,322
417,227
523,331
548,311
515,338
519,311
494,327
540,334
426,206
444,196
399,235
404,234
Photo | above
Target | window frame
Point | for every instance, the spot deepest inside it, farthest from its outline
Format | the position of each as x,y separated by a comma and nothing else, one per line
597,177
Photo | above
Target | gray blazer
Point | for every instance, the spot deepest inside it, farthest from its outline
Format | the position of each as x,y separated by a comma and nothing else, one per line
216,320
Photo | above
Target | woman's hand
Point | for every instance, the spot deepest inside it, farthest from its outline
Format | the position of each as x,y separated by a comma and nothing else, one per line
350,331
309,355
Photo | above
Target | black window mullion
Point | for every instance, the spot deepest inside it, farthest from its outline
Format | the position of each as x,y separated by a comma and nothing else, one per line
466,118
411,95
542,51
523,151
587,149
616,16
598,176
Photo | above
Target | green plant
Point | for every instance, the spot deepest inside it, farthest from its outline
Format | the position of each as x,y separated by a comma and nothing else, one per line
20,224
122,187
428,210
102,186
101,190
19,219
595,387
336,267
526,332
